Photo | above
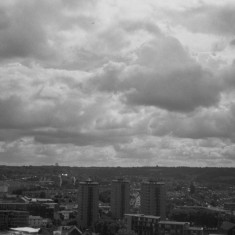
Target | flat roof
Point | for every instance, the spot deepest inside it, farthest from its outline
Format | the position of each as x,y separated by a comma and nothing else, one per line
15,211
153,182
26,229
35,217
13,203
89,183
173,222
144,216
120,181
196,228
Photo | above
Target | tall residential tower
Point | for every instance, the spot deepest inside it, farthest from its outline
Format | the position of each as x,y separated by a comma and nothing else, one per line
120,198
153,199
88,198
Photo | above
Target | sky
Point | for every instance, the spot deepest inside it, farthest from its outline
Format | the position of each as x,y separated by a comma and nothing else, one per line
117,83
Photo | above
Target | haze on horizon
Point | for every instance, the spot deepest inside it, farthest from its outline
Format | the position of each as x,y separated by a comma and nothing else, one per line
117,83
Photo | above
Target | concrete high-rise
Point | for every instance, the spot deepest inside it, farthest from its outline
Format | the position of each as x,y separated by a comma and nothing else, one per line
120,198
88,199
153,199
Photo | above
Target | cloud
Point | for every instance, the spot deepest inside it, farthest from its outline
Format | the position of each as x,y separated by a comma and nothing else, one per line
18,114
158,78
23,33
203,124
207,18
181,90
57,109
121,83
232,42
33,31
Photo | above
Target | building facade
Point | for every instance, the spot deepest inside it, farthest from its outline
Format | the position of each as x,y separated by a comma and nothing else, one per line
88,199
142,224
152,225
178,228
3,188
35,221
65,214
45,210
120,198
14,206
153,199
229,206
10,218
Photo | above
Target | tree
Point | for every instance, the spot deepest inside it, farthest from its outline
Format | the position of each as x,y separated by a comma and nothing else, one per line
73,222
57,222
107,227
198,217
42,194
192,188
125,232
105,196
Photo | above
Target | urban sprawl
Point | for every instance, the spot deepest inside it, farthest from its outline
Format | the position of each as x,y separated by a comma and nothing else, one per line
116,201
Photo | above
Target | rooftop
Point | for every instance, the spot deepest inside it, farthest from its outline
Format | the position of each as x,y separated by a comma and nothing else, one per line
26,229
144,216
89,181
14,203
35,217
173,222
153,182
196,228
15,211
120,180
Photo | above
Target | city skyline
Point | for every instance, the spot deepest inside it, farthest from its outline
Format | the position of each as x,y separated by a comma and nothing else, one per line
117,83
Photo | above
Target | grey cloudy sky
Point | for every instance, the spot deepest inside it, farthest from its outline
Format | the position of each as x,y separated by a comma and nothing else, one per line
117,83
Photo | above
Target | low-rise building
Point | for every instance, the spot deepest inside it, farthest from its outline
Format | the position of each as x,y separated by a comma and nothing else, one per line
195,231
11,218
173,228
152,225
229,206
227,228
14,206
25,230
35,221
45,210
65,214
46,222
142,224
68,230
3,188
178,228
